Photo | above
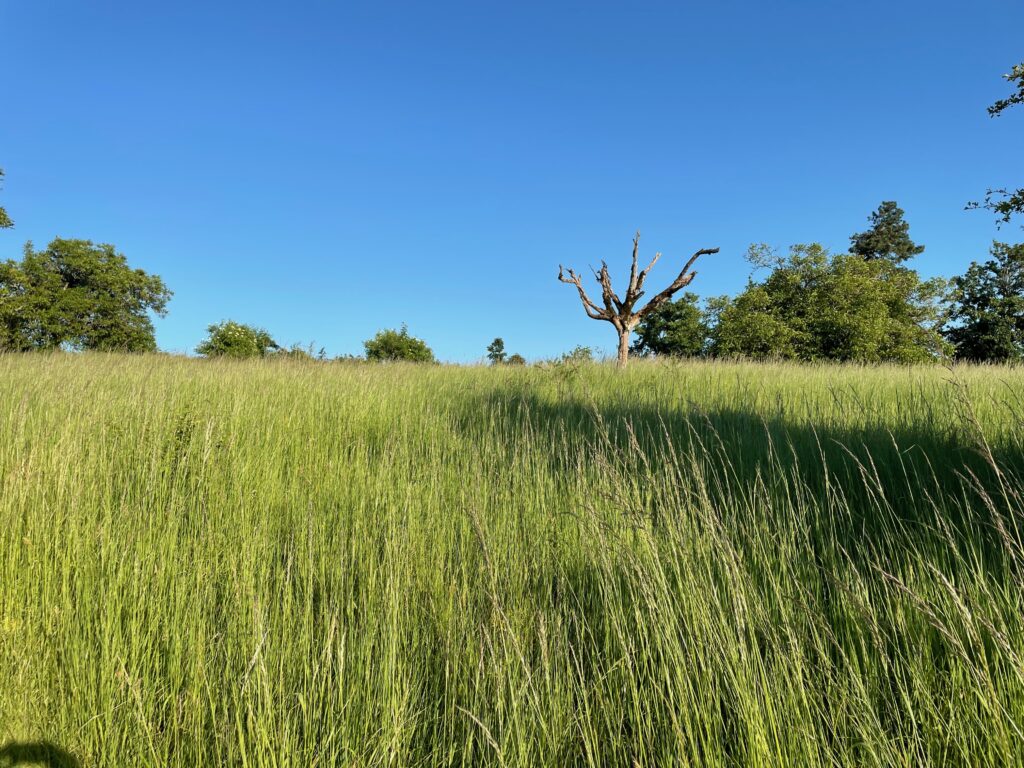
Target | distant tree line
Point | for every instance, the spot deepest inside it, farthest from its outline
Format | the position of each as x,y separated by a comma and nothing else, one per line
863,305
866,304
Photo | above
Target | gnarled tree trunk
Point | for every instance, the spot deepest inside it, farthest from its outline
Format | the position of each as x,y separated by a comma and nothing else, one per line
620,313
623,356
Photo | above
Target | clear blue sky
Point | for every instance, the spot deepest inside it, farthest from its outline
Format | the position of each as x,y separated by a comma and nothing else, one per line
325,169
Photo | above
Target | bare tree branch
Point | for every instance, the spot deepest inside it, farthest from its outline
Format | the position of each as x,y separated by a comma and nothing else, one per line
632,272
620,313
638,290
611,300
589,306
684,279
643,274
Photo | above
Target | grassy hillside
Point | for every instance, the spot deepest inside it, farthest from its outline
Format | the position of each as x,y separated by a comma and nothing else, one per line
253,564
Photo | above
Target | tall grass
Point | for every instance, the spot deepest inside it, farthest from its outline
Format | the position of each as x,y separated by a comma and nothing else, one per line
701,564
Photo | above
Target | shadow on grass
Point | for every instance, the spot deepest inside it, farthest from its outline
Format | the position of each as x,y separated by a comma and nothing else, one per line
892,483
38,753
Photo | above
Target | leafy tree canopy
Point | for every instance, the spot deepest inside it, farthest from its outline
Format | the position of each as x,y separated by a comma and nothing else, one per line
819,306
1015,78
1004,202
231,339
676,329
516,359
887,238
78,295
988,313
389,345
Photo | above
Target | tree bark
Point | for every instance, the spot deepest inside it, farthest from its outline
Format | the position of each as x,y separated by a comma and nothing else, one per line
623,358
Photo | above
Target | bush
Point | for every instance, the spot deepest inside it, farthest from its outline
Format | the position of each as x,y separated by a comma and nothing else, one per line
579,354
231,339
298,352
389,345
516,359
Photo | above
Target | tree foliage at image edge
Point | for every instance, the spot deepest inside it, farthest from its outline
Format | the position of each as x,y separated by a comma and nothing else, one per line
78,295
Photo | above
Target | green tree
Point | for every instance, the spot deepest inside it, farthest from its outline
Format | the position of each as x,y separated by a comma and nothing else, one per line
516,359
389,345
988,308
887,238
1003,202
5,220
819,306
676,328
751,325
496,351
231,339
78,295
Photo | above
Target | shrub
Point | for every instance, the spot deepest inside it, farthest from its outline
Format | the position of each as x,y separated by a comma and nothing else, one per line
389,345
231,339
579,354
299,352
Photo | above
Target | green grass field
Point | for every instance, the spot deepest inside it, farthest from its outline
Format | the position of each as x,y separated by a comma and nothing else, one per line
285,564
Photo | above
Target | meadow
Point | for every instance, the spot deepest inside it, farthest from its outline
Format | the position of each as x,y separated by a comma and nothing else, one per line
208,563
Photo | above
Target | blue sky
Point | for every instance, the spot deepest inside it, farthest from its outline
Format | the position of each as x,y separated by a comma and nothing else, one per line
325,169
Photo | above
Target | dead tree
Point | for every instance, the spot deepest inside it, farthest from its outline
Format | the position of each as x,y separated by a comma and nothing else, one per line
619,313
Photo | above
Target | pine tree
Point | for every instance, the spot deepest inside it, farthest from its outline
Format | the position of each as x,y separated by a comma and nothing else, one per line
888,237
